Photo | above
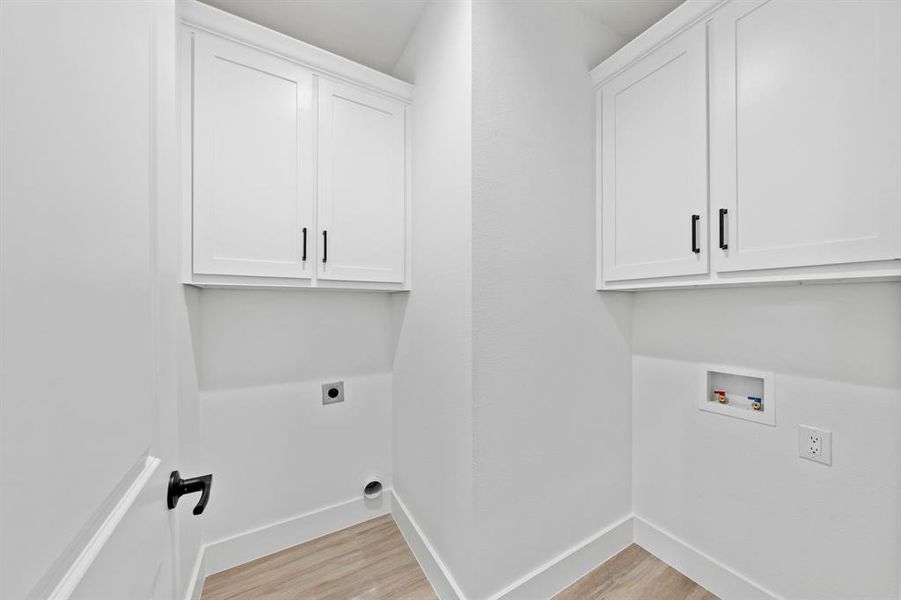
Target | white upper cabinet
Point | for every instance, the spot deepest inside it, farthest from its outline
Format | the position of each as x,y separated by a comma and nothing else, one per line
806,132
361,185
804,157
253,162
296,161
653,148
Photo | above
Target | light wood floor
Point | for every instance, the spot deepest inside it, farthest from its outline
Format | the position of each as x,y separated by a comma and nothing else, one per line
371,561
368,561
635,574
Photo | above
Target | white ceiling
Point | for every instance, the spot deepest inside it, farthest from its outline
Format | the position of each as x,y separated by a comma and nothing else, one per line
375,32
628,17
370,32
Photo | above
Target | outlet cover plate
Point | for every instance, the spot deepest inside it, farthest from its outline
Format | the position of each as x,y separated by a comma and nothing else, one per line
815,444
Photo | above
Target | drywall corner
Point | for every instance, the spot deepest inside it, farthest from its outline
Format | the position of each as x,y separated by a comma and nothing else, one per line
551,357
432,404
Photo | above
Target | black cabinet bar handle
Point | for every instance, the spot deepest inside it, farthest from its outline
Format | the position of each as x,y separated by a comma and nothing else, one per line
723,244
304,257
694,234
324,245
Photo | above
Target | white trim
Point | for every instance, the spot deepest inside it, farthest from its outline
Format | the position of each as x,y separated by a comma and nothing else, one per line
435,570
885,270
247,282
198,576
681,18
408,198
202,16
108,521
571,565
249,545
705,570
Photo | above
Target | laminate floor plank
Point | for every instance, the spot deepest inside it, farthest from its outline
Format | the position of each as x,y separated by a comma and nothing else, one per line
369,561
635,574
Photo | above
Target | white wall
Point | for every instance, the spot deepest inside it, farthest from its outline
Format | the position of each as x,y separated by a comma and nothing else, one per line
275,451
267,337
552,432
433,367
737,490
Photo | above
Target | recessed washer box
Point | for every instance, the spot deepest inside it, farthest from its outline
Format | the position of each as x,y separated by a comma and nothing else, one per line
738,392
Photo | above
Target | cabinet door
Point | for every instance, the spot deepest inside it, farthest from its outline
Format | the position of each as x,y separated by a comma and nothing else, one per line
361,185
654,163
805,136
253,168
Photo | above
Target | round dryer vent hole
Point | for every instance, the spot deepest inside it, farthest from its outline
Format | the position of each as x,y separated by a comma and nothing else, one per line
373,489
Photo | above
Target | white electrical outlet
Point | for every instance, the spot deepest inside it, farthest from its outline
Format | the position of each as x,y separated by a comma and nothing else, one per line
815,444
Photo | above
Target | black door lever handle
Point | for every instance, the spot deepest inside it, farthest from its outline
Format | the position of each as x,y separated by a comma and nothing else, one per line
178,487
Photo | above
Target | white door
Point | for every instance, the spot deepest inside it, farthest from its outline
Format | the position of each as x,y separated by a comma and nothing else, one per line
253,165
654,163
87,411
806,132
361,185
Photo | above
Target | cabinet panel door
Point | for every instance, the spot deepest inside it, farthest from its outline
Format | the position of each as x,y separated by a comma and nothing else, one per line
805,135
253,167
654,163
361,185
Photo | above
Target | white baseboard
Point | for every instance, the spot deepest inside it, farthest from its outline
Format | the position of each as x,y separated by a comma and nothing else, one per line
436,572
697,566
241,548
545,581
568,567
